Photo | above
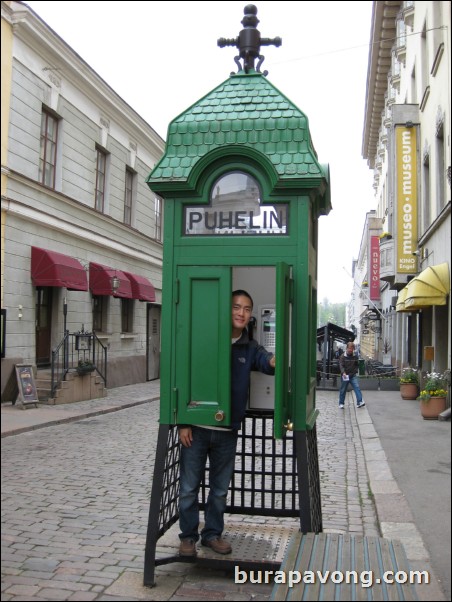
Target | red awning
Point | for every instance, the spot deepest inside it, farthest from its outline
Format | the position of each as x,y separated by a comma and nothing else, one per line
49,268
142,289
101,281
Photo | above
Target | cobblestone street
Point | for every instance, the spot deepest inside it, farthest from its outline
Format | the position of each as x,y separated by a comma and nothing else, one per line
75,502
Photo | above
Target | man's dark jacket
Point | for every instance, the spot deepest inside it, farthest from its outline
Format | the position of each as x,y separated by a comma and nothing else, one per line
348,364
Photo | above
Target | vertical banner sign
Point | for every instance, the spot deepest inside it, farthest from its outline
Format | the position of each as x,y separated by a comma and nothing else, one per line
406,170
374,268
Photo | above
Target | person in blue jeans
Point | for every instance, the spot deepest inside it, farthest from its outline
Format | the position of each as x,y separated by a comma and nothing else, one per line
218,444
348,364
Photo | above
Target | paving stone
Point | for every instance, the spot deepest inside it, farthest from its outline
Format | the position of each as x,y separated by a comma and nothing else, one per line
77,518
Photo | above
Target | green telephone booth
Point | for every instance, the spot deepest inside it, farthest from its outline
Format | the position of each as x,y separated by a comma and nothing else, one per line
243,190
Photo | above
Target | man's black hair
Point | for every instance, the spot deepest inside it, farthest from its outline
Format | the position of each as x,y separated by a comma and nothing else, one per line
241,293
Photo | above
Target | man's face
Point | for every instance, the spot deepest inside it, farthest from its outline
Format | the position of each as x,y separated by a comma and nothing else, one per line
241,313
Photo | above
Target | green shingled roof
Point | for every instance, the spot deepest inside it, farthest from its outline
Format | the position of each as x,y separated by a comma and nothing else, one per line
245,110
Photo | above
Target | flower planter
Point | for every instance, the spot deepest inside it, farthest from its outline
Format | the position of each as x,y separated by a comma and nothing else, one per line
409,390
83,371
431,409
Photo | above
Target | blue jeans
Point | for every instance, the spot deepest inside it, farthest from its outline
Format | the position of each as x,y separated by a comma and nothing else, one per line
220,448
354,381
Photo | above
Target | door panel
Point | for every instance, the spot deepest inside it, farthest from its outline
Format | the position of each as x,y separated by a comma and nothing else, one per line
153,346
43,325
282,352
203,346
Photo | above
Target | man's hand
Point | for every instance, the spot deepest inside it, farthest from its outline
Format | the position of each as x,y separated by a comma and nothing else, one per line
272,362
185,436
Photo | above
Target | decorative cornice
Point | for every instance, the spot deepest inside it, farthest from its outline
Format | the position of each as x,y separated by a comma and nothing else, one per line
56,223
17,207
383,35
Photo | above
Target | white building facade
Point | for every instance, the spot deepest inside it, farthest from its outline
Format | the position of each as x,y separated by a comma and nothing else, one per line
406,141
81,231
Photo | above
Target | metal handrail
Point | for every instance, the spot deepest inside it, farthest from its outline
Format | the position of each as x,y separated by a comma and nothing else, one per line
76,348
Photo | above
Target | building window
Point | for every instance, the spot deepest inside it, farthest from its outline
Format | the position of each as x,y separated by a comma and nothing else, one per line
426,190
101,170
158,218
47,159
126,315
99,313
128,196
424,61
440,167
413,88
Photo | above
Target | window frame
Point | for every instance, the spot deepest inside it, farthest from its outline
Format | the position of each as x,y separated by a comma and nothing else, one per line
127,315
99,312
101,179
158,218
45,139
129,195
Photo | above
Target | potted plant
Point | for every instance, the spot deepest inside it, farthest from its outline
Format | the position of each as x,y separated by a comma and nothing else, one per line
85,366
409,383
433,396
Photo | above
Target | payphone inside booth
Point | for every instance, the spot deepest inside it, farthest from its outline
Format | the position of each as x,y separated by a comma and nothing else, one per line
260,283
262,386
243,192
267,327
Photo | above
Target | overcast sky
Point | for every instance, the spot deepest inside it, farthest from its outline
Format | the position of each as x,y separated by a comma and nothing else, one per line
161,57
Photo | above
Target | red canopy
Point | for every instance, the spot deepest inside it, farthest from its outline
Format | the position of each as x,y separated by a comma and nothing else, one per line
101,281
49,268
142,289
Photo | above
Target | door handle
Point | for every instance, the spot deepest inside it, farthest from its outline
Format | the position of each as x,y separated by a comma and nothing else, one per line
219,415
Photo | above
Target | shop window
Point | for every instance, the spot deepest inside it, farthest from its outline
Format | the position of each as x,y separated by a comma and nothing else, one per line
127,315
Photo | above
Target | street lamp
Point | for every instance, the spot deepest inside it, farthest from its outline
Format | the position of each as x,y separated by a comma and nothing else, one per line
115,283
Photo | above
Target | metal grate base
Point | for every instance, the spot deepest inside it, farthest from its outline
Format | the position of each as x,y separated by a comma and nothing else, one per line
252,546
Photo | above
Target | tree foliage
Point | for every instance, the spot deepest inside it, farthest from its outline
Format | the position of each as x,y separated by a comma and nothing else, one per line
331,312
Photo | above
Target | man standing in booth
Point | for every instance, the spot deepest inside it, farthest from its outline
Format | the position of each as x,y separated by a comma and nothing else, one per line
218,444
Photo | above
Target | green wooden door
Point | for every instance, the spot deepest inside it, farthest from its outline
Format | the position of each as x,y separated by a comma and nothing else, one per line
203,345
284,293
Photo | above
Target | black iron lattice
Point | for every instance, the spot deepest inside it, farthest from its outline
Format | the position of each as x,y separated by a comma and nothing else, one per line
169,500
314,481
265,480
271,478
265,477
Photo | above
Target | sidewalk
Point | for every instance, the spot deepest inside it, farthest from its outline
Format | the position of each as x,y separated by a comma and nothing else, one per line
352,460
20,419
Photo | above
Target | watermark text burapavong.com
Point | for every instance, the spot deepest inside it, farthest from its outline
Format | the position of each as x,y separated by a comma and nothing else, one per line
363,578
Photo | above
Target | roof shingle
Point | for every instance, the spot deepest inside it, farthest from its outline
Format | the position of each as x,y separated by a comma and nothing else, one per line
247,110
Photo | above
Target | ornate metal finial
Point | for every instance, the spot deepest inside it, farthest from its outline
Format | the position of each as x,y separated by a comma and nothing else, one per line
249,42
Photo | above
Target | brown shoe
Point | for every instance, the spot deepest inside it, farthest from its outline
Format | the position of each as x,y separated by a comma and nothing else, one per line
218,545
187,547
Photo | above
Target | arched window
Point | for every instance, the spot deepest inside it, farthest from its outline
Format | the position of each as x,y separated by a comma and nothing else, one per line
236,207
